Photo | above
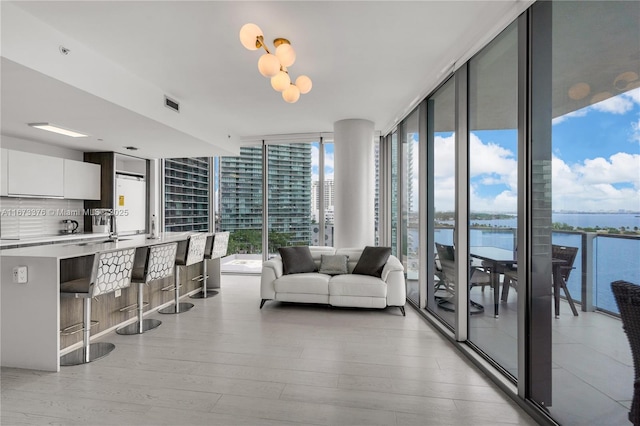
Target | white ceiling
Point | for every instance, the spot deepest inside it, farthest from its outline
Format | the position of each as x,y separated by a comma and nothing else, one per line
370,60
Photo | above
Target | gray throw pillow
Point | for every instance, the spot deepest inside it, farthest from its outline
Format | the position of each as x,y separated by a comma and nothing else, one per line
334,264
372,261
296,260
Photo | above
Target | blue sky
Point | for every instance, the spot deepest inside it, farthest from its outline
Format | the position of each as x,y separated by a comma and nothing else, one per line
328,161
595,167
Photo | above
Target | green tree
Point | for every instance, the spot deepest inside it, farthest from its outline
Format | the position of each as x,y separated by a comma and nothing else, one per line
277,240
245,241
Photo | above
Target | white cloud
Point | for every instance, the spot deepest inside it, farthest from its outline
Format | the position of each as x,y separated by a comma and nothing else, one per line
594,184
590,185
315,163
615,105
619,104
635,131
578,113
621,167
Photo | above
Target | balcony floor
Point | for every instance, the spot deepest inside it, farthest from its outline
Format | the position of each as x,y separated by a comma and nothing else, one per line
228,362
592,362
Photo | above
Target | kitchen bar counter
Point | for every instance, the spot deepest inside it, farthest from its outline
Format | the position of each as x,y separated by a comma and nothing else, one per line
77,249
9,243
30,313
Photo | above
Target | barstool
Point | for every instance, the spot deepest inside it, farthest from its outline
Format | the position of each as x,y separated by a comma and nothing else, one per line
159,261
189,252
111,271
215,248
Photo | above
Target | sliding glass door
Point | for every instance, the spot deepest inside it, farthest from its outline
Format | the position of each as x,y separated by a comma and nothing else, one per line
493,192
410,202
441,145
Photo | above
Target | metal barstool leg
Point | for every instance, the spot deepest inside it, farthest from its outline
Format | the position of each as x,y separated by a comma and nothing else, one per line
141,325
205,293
89,351
177,307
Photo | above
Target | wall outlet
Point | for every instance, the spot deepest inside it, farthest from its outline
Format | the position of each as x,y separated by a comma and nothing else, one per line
118,292
20,274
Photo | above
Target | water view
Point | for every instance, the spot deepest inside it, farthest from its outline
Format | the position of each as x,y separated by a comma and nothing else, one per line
615,252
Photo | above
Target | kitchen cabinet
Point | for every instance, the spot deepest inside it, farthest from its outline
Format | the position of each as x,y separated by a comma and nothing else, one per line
81,180
3,172
34,175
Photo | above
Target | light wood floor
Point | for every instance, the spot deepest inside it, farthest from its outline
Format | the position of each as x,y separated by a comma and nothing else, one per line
227,362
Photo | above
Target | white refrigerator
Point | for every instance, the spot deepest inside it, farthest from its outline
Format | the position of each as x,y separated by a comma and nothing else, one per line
131,204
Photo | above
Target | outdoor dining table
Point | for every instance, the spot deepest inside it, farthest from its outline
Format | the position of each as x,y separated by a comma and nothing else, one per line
499,259
496,259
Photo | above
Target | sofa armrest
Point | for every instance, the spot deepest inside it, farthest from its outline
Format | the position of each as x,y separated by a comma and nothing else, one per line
271,271
393,275
393,264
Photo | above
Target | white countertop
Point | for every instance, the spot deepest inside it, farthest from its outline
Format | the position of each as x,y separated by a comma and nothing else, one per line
47,239
78,249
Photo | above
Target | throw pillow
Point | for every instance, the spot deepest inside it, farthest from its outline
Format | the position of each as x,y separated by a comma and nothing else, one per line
296,260
334,264
372,261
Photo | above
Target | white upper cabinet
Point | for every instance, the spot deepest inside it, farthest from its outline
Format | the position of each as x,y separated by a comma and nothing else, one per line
81,180
3,172
35,175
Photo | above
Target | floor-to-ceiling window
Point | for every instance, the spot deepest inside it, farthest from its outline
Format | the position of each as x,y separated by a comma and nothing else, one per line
329,193
493,184
410,231
289,195
553,168
595,128
395,196
441,142
186,194
240,200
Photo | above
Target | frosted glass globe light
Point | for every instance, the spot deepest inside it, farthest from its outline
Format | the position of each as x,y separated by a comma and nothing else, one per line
268,65
286,54
281,81
304,84
248,35
291,94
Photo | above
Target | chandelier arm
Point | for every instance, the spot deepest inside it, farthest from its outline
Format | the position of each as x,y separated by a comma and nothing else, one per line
260,43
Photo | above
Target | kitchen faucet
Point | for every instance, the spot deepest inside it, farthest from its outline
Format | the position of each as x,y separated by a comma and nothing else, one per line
113,227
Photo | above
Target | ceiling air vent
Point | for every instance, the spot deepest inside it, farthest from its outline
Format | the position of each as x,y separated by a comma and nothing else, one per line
171,104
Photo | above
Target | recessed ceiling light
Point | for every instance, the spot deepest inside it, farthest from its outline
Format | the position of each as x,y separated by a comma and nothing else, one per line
57,129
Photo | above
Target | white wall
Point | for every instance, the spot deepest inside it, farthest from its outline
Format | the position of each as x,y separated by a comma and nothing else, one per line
25,145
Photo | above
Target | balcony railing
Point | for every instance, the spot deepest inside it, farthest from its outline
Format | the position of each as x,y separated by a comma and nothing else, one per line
601,259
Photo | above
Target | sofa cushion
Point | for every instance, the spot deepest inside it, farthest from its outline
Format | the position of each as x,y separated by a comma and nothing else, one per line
309,283
357,285
334,265
372,261
297,260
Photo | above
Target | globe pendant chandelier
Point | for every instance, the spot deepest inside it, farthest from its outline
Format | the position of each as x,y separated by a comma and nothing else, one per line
275,65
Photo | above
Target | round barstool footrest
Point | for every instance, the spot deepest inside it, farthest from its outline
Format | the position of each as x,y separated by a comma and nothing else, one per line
182,307
96,351
210,293
147,324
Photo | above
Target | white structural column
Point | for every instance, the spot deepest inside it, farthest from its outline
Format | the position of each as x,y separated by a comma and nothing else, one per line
354,174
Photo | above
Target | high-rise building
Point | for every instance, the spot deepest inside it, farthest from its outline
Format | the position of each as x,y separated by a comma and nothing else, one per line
186,194
289,189
329,197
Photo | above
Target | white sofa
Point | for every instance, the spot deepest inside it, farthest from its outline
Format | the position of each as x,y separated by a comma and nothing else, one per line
362,291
